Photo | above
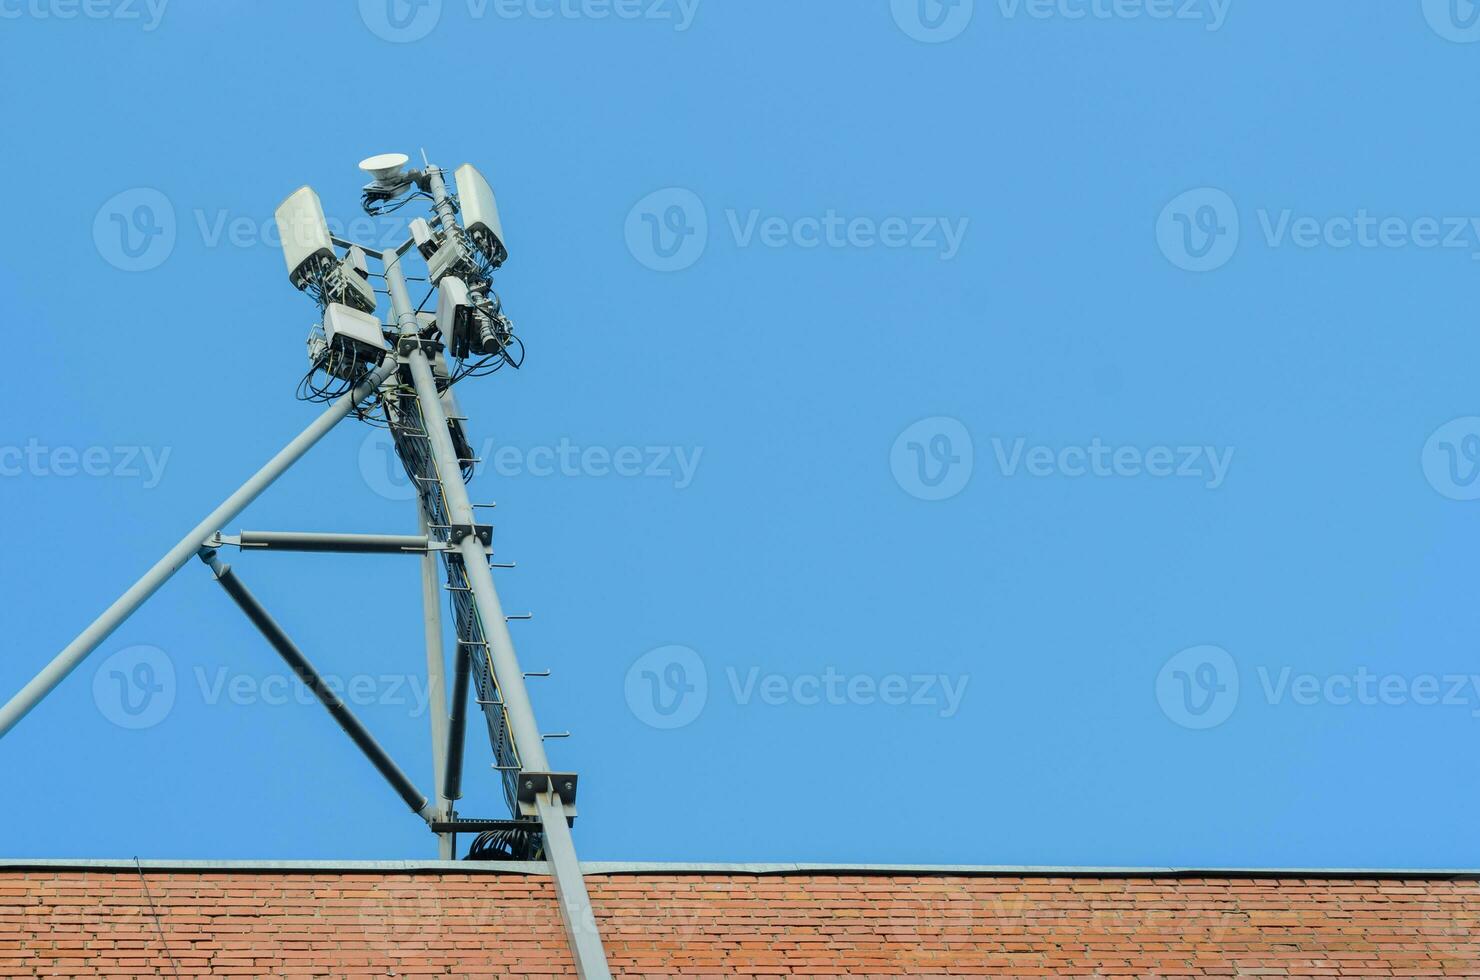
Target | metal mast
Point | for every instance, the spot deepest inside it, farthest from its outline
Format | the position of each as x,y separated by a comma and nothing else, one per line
403,374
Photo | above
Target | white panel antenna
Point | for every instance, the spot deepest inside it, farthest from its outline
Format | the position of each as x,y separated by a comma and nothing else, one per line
346,326
480,213
354,288
451,257
423,236
352,340
304,233
454,311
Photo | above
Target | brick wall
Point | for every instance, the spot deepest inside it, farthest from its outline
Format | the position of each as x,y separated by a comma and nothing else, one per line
313,923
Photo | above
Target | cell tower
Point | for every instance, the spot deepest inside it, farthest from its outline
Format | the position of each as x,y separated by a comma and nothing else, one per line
402,376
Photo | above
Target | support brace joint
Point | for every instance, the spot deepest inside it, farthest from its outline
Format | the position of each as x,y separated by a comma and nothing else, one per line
410,342
483,532
531,784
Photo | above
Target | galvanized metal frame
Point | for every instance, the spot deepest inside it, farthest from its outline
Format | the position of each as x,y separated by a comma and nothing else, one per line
570,886
554,808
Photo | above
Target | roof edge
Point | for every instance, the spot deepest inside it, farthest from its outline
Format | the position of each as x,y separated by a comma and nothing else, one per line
682,868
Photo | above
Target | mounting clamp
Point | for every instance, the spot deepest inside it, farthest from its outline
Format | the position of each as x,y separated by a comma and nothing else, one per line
408,343
483,532
531,784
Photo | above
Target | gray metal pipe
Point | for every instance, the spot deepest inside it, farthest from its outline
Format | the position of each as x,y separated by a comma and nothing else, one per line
314,681
570,890
527,740
565,868
103,627
431,606
526,733
443,204
395,284
360,544
458,724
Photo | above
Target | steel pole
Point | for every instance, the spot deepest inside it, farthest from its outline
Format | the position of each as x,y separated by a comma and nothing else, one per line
312,542
445,211
431,604
570,890
102,627
458,723
506,669
565,868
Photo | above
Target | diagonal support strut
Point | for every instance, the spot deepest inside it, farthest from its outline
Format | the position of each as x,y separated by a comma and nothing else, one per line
128,603
314,681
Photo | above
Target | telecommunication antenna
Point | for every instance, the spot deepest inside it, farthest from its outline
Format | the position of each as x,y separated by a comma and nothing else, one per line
402,376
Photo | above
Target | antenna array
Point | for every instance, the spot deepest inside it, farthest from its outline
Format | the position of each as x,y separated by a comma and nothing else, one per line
402,375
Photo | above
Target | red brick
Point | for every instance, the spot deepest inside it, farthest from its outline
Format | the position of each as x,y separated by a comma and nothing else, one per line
321,924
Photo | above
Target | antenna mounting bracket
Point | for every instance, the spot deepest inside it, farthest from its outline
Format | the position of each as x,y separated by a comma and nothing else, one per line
531,784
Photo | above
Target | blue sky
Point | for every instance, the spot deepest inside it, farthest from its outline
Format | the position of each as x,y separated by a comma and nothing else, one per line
1017,432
